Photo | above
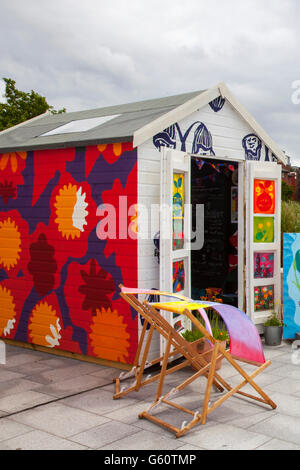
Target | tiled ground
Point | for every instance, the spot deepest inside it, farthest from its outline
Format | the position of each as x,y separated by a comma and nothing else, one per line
48,402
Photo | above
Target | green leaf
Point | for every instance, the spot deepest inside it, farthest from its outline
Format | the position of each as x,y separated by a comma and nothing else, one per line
21,106
297,260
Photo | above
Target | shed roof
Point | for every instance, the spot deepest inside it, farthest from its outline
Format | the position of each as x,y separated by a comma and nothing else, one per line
129,118
135,122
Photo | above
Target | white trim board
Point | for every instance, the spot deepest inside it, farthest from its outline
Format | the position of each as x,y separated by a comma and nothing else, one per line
145,133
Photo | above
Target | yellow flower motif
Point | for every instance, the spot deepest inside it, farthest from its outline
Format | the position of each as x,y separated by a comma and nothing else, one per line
133,220
44,327
117,148
71,211
12,158
10,243
7,311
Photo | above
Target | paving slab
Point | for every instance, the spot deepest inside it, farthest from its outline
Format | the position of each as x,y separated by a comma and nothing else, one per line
277,444
28,369
14,386
23,400
20,358
247,421
129,414
40,440
63,373
10,429
225,437
71,386
6,375
284,385
286,404
105,434
283,426
59,419
91,419
99,402
144,440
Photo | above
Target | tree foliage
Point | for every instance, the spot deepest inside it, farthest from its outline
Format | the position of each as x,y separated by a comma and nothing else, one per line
21,106
286,192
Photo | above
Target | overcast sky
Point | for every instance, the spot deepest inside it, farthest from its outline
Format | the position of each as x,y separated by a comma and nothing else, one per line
94,53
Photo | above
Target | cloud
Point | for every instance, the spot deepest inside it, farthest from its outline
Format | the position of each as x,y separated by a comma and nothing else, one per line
82,55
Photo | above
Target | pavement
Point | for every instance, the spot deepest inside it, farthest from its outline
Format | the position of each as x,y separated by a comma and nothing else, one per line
52,403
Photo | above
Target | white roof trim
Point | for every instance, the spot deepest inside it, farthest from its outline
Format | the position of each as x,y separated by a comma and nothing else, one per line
268,141
23,123
141,135
179,113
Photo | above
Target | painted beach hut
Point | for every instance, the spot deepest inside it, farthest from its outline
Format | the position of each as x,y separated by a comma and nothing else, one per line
179,193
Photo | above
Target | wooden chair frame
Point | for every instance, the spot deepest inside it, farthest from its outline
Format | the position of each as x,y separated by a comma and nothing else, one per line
154,321
199,361
213,377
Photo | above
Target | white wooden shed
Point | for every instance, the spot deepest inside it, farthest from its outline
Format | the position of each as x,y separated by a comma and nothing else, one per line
209,136
202,177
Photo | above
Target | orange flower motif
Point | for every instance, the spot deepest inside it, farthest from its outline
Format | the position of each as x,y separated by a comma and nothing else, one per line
13,159
10,246
71,211
112,152
8,311
44,326
133,220
108,336
116,148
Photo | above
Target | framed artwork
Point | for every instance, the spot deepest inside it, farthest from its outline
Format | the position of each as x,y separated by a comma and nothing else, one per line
291,284
178,276
263,265
234,205
264,196
263,298
263,230
178,211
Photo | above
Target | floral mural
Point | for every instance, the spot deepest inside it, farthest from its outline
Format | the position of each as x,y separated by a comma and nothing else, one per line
58,280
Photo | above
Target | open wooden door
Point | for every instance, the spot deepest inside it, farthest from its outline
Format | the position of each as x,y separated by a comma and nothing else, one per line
175,229
263,239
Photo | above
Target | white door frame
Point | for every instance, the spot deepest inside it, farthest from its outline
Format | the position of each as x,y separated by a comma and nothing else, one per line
263,171
241,224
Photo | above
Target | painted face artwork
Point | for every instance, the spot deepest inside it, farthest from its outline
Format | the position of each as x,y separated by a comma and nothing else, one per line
264,196
252,146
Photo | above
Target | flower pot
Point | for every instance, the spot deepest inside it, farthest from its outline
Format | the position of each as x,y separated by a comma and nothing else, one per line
201,346
273,335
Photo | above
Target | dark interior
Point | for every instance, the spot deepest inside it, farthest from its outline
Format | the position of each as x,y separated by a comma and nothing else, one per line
215,265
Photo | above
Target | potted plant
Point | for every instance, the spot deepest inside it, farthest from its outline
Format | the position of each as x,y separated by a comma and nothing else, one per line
197,338
273,330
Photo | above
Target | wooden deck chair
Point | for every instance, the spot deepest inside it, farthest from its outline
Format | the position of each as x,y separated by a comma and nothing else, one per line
153,321
247,348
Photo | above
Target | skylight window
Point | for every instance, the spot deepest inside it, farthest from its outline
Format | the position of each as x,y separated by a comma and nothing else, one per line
81,125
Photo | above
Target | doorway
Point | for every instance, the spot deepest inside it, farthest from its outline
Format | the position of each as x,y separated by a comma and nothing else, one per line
214,267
